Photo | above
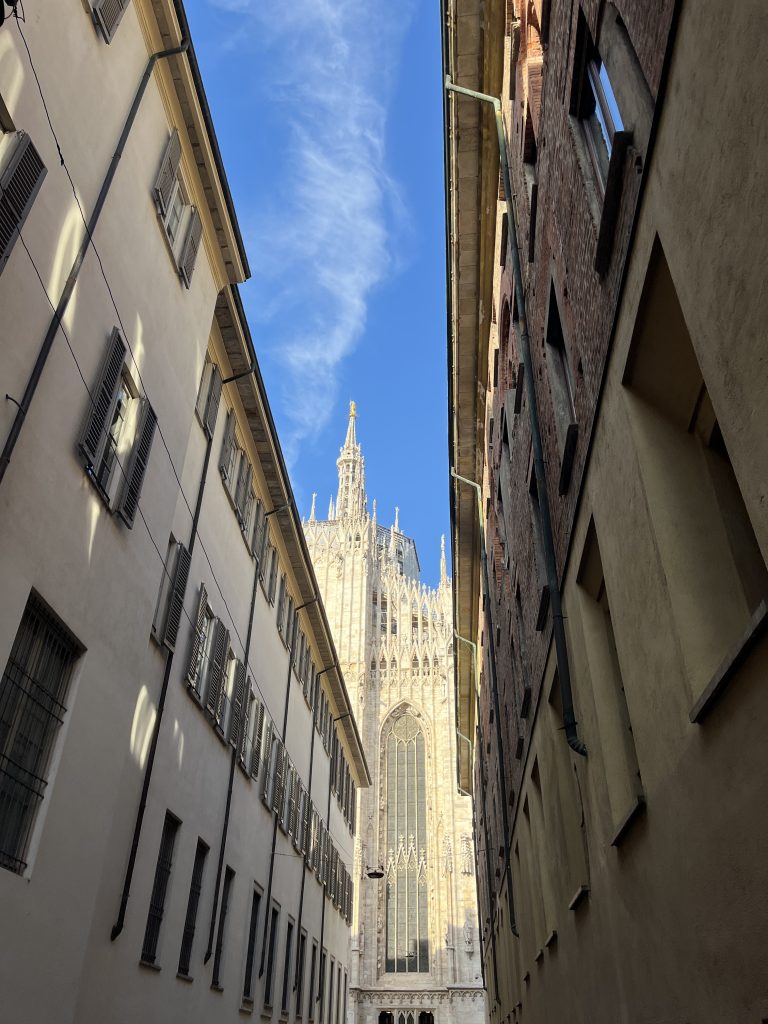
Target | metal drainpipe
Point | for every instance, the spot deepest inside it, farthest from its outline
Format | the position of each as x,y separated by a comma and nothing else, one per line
471,794
304,862
274,820
231,780
495,692
320,990
553,582
120,922
69,285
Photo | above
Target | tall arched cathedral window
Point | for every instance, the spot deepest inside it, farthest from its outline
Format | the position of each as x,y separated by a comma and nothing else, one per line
405,829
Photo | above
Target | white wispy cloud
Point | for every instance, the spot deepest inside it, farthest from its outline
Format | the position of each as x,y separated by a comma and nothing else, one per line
328,236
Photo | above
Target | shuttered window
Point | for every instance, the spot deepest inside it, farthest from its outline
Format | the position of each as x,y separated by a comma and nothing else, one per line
180,219
33,691
107,14
159,888
170,605
191,245
208,397
238,706
20,181
166,182
195,889
258,730
137,465
200,636
229,877
94,434
214,700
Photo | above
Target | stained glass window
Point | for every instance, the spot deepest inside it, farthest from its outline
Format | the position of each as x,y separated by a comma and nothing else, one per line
407,925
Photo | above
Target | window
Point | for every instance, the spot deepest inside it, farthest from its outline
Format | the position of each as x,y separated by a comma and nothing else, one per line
170,601
159,888
229,876
272,560
331,979
406,839
33,692
311,990
338,996
107,15
117,432
321,988
287,967
622,773
181,221
561,388
300,965
250,955
715,574
537,536
21,175
195,889
208,397
272,941
594,104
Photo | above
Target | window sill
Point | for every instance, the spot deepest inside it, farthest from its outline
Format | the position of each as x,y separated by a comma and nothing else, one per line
150,966
246,1007
731,663
629,819
611,201
185,977
578,897
217,988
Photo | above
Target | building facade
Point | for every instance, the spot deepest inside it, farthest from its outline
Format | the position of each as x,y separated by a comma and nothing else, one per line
178,752
415,952
607,428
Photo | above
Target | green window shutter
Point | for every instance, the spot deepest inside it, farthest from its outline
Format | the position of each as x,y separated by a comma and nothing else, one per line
258,729
238,702
212,402
198,640
191,246
20,182
107,14
137,465
176,598
166,176
219,648
226,448
94,432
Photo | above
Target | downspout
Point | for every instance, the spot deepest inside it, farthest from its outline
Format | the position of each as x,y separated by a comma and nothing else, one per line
69,285
469,643
495,693
119,923
231,780
321,986
550,559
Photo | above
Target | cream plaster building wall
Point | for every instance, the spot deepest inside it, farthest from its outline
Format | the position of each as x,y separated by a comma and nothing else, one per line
395,642
130,716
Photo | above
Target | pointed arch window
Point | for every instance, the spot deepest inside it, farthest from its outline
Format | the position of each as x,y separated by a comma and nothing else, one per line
405,830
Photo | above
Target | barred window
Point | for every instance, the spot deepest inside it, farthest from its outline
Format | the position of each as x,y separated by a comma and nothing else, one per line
405,827
33,691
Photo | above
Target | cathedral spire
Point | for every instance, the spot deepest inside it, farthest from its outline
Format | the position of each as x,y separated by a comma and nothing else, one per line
443,567
351,501
312,515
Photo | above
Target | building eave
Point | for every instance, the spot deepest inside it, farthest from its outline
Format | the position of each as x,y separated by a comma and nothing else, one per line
471,173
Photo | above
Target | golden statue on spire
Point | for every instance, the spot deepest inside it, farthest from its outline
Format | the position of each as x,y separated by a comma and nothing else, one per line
352,409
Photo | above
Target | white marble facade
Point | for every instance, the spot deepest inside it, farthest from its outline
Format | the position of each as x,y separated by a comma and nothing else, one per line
394,636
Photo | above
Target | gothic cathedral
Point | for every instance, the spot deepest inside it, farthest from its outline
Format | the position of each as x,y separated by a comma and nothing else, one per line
415,953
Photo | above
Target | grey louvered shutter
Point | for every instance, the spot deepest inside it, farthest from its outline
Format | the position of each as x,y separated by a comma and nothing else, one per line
212,402
107,15
278,789
166,176
198,639
245,725
20,182
137,464
191,245
219,648
305,824
243,486
226,447
258,729
238,700
267,765
94,432
176,598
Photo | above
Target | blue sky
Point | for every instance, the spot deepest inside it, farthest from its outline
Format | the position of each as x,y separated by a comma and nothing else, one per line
328,115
